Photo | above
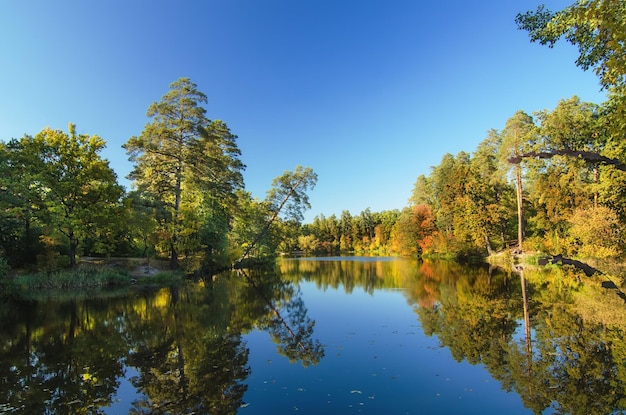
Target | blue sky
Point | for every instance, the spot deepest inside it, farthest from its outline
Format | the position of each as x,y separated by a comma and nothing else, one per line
369,93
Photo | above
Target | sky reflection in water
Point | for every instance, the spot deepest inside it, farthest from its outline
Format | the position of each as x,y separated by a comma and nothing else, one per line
378,360
350,335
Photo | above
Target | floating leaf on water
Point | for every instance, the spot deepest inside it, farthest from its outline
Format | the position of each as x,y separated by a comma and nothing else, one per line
244,405
356,391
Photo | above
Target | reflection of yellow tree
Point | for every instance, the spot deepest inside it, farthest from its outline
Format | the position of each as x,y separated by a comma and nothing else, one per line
576,361
185,343
188,347
351,272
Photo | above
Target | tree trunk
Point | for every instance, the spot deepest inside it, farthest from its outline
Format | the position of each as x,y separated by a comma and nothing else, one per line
488,244
589,156
73,248
269,222
176,224
520,217
173,255
529,347
596,180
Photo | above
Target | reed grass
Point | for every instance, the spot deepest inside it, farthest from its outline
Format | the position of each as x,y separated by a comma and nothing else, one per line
79,278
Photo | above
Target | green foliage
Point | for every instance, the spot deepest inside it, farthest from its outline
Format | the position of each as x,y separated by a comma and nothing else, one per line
595,26
4,267
308,243
188,165
287,197
289,192
61,186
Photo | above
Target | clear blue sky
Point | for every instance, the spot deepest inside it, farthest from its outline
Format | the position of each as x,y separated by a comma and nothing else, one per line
369,93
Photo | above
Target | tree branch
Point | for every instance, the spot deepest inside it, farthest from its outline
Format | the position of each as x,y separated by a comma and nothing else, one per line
588,156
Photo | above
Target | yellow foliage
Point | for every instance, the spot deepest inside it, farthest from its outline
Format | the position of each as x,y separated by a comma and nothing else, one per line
597,232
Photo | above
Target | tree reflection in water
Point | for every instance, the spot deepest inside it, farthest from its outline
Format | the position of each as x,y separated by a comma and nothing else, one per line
187,343
184,342
287,320
574,362
554,337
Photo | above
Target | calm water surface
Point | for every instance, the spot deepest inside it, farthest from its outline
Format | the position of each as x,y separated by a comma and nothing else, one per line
333,336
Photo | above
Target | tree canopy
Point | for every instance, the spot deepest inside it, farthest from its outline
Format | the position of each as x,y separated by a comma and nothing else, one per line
187,163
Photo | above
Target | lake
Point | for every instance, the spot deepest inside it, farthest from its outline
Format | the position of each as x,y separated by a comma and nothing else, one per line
341,335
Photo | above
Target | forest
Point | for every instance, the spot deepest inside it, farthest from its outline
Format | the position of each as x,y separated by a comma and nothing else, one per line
552,181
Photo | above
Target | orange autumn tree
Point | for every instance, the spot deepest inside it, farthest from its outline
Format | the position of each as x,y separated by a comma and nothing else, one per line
412,233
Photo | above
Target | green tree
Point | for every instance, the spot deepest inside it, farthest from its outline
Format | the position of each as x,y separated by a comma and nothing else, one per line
78,190
19,204
595,26
346,231
181,158
250,218
562,183
287,197
422,191
492,196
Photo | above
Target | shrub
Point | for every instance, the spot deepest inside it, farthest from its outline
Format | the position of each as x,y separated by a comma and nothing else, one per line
596,232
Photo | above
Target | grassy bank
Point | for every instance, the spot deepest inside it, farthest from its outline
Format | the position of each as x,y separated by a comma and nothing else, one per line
79,278
93,273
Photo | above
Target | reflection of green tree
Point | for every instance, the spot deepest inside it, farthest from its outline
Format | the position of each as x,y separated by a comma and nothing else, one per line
59,358
576,364
285,318
188,360
473,318
185,342
211,381
348,273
